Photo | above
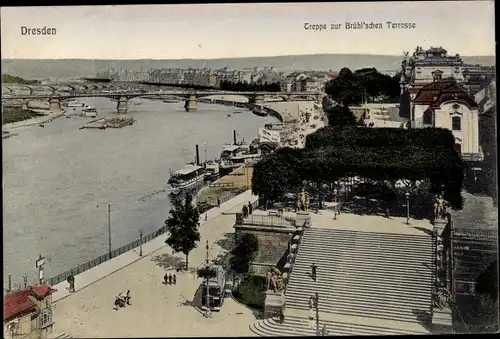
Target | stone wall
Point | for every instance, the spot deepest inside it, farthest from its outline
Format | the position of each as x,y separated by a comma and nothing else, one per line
273,244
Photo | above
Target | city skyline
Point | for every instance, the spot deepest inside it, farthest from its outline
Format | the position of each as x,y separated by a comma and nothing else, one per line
245,30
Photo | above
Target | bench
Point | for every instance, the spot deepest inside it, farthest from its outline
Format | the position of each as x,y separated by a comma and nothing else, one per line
296,238
293,248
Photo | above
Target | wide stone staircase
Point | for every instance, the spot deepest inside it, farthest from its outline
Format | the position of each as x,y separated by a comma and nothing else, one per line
368,283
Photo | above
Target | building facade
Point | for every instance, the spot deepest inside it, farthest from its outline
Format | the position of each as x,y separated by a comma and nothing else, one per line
447,104
417,71
28,313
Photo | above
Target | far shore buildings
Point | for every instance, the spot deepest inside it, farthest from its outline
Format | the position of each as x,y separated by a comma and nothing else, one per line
300,82
28,313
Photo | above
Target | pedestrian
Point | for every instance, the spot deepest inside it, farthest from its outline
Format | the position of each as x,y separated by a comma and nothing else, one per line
250,208
170,279
128,297
174,279
165,278
313,271
218,202
71,282
245,211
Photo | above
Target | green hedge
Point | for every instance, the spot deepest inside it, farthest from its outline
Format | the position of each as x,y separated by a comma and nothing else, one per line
252,292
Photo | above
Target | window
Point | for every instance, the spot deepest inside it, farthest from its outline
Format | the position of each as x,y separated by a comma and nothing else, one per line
456,124
427,118
45,318
455,106
458,148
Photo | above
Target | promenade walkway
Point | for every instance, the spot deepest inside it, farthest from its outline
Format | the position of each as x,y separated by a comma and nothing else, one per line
157,310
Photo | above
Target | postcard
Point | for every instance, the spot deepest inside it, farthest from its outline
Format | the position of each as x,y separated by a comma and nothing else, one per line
266,169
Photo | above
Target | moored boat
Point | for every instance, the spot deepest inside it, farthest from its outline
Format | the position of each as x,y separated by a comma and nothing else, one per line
186,178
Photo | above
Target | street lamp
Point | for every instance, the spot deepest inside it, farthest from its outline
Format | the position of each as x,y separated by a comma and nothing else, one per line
317,314
140,243
407,195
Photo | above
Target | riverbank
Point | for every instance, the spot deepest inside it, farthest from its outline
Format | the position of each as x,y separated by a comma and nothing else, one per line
17,114
41,117
235,181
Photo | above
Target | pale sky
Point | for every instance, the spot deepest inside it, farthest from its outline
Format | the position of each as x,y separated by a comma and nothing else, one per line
244,30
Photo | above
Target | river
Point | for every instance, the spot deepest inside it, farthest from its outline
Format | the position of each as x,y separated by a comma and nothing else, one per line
58,179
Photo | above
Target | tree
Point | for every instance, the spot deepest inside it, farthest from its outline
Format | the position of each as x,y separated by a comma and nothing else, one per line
183,226
340,116
244,253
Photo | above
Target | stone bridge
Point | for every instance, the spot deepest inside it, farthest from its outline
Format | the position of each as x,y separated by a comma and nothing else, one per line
191,97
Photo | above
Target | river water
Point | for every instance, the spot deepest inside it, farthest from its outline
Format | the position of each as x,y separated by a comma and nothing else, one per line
58,179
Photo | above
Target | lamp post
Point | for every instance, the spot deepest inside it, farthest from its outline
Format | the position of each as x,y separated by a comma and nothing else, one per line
109,230
140,243
407,195
246,173
336,202
317,314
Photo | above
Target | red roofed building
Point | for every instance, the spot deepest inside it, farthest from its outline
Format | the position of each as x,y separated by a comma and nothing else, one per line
28,313
447,104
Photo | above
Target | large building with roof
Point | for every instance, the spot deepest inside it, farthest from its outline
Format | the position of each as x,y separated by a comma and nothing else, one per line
447,104
28,313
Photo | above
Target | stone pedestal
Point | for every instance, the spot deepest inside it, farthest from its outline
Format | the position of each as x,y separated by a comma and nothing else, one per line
439,225
274,304
442,321
122,106
54,105
191,104
303,219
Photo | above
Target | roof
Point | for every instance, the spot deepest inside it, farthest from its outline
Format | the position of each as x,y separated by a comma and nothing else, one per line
19,303
188,169
230,148
438,92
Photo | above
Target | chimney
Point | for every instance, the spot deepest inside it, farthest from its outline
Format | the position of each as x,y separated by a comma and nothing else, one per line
234,137
197,155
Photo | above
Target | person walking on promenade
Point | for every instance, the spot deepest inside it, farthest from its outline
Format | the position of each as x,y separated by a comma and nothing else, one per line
71,282
218,202
245,211
250,208
314,271
174,279
170,279
165,278
128,297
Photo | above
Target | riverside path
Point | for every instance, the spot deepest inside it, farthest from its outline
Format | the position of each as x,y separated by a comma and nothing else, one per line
157,310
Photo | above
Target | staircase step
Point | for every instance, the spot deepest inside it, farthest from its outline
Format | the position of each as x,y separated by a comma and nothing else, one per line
329,267
372,303
354,256
332,325
359,295
371,243
359,311
364,234
303,275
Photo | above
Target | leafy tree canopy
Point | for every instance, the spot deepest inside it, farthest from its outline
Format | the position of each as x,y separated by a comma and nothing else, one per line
348,87
378,154
10,79
380,137
182,226
244,253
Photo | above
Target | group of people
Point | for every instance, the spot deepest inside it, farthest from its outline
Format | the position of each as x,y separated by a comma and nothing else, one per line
247,210
170,279
122,300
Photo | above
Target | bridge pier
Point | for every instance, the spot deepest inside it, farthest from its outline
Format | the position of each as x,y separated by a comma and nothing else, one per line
256,99
54,105
122,106
191,103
